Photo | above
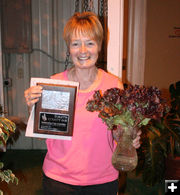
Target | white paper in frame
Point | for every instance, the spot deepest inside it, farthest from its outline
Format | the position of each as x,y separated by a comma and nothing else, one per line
30,125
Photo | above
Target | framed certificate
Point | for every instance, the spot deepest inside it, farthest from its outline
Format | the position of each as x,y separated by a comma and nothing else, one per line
54,112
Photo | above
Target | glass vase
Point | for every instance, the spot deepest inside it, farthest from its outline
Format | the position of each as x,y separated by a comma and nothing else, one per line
125,156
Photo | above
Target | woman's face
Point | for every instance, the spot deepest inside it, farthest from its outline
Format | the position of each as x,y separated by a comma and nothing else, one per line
84,51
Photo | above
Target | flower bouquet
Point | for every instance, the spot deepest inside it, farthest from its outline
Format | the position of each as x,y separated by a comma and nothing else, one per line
124,112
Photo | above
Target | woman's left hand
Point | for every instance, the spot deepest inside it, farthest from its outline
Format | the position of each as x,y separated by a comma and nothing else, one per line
136,141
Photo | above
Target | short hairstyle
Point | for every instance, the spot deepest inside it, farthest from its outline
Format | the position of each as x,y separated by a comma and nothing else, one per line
85,23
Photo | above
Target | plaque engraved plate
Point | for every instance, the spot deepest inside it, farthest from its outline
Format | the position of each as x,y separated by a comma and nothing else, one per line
54,112
53,122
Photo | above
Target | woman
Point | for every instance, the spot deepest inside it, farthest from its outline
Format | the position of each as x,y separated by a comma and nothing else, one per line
82,165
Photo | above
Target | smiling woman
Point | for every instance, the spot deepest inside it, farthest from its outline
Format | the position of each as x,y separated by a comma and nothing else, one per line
83,34
84,51
81,165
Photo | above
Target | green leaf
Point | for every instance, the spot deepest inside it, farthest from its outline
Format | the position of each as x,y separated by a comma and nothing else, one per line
109,122
8,125
118,106
125,119
4,137
119,120
144,122
153,152
1,165
8,176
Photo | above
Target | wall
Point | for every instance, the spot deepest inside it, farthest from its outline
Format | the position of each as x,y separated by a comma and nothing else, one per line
162,63
48,19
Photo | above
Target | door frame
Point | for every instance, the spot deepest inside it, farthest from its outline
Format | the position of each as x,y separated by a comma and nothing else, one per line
136,39
115,37
1,72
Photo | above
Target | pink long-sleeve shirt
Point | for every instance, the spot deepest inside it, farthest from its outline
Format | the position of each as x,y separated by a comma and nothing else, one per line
86,159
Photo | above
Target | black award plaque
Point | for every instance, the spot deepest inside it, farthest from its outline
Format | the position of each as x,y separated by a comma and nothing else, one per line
54,112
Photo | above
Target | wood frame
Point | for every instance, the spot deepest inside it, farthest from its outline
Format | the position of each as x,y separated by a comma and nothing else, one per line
52,120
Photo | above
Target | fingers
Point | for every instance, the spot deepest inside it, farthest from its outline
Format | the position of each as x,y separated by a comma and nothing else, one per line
136,145
32,95
136,141
139,132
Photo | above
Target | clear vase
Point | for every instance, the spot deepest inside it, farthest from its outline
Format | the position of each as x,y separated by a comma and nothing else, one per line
125,156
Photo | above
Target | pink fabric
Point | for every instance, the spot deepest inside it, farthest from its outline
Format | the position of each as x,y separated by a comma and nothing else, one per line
86,159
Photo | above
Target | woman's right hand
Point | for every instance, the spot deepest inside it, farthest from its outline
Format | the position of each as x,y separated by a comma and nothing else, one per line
32,95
